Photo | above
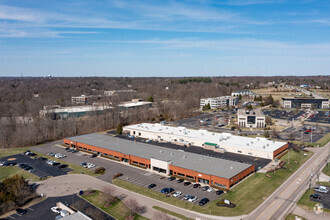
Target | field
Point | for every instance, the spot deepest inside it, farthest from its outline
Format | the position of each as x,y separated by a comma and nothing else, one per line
117,209
171,213
326,169
247,195
6,172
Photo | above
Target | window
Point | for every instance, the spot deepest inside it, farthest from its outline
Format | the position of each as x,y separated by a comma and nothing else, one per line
249,153
85,148
80,147
190,177
142,164
239,151
139,133
136,163
117,158
90,150
180,174
220,185
105,154
110,155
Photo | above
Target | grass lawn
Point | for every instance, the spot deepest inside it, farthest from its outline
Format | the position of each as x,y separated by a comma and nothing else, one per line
292,217
305,203
117,209
247,195
175,214
10,151
6,172
326,169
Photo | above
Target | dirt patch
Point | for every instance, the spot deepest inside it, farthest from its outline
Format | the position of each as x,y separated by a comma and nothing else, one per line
11,159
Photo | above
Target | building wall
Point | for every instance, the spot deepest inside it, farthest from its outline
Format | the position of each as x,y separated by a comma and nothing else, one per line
241,175
280,150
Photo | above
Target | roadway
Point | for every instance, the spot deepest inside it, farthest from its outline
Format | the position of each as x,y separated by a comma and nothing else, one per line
280,202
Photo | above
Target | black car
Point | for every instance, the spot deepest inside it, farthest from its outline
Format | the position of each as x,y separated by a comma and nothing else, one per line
219,192
21,211
315,196
9,164
204,188
186,183
203,201
171,178
42,158
152,185
180,180
21,165
197,185
62,166
27,168
74,151
93,155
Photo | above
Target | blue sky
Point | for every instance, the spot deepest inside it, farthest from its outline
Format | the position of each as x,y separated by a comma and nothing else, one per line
164,38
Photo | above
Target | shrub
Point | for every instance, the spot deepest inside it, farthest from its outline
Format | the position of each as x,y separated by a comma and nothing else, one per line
99,170
117,175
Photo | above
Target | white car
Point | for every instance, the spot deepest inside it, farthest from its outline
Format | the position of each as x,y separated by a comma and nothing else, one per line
50,162
1,163
192,199
210,189
177,194
56,210
90,165
59,156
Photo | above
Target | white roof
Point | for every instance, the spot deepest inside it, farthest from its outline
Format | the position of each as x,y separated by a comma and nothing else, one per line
72,109
258,143
132,104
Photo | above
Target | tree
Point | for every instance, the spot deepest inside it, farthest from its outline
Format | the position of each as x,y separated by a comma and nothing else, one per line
268,120
119,129
240,97
150,99
134,207
275,133
249,107
206,107
291,136
266,134
108,195
161,216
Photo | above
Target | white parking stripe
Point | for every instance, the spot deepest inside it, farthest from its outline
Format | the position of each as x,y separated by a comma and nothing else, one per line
11,217
30,209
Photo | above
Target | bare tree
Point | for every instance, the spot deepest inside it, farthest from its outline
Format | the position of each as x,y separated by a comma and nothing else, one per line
161,216
108,195
134,207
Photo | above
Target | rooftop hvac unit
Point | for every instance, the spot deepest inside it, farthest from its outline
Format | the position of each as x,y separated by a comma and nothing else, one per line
251,142
267,145
172,153
263,147
247,144
161,151
184,156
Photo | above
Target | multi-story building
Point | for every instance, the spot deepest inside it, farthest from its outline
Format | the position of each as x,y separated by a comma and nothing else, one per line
250,118
219,102
309,102
243,92
135,103
220,142
79,99
204,169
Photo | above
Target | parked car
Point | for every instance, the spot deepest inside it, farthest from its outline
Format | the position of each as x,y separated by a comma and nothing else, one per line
186,183
67,149
20,211
42,158
90,165
171,178
83,164
167,190
204,188
62,166
50,162
180,180
56,210
59,156
93,155
74,150
315,196
1,163
9,164
152,185
21,165
321,189
51,154
203,201
210,189
56,163
177,194
219,192
192,199
186,197
197,185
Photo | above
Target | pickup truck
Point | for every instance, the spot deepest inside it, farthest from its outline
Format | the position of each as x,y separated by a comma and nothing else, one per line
321,189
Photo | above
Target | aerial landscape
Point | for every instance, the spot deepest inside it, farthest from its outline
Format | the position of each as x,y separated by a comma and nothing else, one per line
192,109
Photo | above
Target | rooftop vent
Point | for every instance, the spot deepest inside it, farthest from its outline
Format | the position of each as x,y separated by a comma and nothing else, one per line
231,168
267,145
263,147
161,151
184,156
172,153
247,144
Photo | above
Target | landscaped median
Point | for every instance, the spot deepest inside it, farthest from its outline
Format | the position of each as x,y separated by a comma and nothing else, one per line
247,195
293,217
171,213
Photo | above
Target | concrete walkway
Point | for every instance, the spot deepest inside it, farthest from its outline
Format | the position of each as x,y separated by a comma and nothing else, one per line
73,183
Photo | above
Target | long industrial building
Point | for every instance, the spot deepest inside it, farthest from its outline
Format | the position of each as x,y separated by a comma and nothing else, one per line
208,170
221,142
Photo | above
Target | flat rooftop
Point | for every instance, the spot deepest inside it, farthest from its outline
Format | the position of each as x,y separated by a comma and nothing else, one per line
258,143
73,109
254,112
133,104
200,163
308,98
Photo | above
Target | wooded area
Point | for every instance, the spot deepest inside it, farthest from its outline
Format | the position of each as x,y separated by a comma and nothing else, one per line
174,98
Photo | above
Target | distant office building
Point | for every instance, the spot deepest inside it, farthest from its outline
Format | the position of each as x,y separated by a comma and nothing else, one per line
79,99
57,112
250,118
114,92
304,86
219,102
244,92
135,103
310,102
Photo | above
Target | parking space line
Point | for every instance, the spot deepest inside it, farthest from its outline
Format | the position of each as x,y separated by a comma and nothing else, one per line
11,217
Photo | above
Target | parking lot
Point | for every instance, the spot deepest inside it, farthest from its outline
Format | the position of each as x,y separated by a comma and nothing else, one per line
283,114
41,168
320,117
163,182
132,174
325,198
42,210
317,132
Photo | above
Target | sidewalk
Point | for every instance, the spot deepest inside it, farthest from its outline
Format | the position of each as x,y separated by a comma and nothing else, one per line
310,215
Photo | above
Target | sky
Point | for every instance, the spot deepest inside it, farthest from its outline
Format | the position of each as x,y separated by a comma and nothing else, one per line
164,38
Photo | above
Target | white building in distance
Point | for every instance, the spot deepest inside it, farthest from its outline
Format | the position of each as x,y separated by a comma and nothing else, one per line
219,102
251,118
243,92
220,142
135,103
79,99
